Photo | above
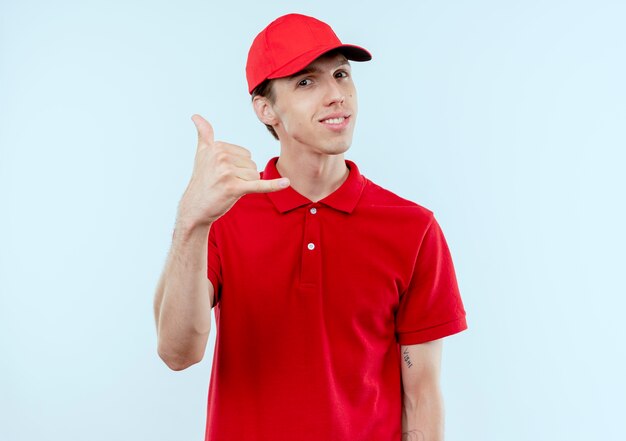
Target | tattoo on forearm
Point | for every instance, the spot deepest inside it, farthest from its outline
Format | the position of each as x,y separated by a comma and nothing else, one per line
413,435
407,360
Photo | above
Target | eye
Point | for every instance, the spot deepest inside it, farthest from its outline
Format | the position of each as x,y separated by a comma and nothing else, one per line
303,82
341,74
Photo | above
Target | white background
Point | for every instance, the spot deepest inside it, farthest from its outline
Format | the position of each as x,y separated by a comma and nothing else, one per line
504,118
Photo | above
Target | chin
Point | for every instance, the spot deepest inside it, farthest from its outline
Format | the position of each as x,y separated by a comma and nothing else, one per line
339,146
336,149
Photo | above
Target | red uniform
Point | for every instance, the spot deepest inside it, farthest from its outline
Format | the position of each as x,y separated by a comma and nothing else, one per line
312,300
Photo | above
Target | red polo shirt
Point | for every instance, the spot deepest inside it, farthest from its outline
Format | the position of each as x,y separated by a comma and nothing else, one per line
312,300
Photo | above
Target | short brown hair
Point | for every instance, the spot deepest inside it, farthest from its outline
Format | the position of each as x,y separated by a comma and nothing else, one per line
266,90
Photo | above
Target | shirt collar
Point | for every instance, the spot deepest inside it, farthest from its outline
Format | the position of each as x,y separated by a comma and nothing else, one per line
344,198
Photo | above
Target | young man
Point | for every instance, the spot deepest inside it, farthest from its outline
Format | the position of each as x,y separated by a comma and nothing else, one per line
331,294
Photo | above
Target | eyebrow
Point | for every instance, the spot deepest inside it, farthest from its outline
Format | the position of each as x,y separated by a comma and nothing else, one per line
310,70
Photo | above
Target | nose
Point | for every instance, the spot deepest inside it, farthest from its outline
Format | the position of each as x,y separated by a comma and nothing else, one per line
334,94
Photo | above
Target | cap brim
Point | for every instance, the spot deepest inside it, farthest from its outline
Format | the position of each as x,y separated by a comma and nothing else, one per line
350,51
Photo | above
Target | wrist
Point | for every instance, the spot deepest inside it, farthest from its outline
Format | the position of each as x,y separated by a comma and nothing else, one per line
187,217
187,227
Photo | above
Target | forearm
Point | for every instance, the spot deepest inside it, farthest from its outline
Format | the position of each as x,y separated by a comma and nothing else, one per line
182,302
423,416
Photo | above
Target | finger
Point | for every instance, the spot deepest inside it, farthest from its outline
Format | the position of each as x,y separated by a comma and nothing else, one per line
245,162
265,185
246,174
235,149
205,130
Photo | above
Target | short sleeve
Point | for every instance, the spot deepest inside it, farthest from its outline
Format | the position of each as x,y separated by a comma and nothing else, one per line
214,265
431,307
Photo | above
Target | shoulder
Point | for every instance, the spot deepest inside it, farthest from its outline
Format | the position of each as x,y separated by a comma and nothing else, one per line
375,195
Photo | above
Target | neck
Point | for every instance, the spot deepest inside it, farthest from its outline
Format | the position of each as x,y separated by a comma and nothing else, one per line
313,175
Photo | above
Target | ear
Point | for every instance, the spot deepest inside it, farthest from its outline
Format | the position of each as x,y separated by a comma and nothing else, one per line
264,110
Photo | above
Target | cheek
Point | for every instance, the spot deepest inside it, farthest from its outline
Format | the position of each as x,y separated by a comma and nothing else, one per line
298,127
298,120
298,115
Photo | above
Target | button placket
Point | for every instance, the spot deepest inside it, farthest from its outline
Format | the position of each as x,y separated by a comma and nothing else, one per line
311,250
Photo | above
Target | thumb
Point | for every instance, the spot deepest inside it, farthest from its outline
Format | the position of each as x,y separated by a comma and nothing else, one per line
267,185
205,130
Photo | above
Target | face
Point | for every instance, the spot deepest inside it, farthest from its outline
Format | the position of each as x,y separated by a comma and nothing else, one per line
316,108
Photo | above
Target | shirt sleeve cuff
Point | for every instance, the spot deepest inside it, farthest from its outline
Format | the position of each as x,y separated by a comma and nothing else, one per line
433,333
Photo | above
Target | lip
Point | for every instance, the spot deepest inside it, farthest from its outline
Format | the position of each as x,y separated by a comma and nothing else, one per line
336,127
335,115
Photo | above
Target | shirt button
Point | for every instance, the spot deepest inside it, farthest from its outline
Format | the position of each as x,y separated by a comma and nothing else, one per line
313,210
310,246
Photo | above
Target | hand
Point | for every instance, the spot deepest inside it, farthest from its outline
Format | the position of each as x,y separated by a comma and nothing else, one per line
222,173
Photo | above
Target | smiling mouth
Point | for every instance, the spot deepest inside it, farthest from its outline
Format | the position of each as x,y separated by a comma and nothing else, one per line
335,121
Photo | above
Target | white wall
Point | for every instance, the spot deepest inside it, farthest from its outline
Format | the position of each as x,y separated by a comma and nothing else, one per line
504,118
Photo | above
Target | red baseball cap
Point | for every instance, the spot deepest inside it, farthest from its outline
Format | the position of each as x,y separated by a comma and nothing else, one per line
289,43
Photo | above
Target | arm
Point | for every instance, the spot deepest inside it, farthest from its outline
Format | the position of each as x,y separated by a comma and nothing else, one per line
422,401
222,173
183,299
